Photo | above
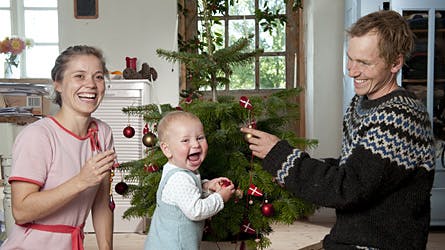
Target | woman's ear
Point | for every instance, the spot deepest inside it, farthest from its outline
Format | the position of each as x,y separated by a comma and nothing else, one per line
397,65
57,86
165,149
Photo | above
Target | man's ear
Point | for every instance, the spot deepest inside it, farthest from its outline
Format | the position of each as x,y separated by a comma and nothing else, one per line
165,149
397,65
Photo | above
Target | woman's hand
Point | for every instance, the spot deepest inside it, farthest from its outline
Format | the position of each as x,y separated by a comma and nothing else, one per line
97,168
260,142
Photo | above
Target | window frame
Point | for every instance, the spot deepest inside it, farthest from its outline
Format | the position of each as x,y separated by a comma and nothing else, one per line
294,53
17,15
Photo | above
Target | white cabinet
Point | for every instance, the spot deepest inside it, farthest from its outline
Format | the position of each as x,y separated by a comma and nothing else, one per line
120,94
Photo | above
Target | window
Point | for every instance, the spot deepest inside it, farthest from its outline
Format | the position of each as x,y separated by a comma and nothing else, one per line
37,20
277,67
282,63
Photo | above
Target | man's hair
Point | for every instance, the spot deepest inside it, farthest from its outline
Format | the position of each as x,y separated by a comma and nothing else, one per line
169,118
395,35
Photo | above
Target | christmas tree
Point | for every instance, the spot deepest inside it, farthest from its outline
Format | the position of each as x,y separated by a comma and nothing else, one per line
258,201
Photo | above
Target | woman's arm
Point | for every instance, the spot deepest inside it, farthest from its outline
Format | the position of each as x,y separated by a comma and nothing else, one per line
30,204
103,216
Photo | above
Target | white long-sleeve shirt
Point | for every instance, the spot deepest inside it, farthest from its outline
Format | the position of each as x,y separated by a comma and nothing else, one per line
181,191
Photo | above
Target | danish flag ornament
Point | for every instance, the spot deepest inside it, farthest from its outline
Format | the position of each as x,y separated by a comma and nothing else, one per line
245,103
247,228
253,190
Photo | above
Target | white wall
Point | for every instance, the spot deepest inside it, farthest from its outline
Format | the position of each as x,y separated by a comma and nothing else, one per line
137,28
134,28
324,92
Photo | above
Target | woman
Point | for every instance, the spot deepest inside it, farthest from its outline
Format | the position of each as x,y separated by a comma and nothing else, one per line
61,164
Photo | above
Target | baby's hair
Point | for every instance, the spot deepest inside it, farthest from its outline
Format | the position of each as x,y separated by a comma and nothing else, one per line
171,117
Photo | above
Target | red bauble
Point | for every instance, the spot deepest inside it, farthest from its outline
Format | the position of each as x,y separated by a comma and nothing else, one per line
267,209
225,183
129,131
121,188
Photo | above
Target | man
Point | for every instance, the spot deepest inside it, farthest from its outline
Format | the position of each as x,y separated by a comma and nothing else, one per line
380,186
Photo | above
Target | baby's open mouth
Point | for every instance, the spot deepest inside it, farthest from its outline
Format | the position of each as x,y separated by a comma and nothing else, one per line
194,156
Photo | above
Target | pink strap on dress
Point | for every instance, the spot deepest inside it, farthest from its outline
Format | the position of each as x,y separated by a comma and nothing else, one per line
92,134
77,234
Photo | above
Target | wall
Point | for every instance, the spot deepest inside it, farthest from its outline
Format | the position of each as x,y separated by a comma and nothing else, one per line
139,27
134,28
324,57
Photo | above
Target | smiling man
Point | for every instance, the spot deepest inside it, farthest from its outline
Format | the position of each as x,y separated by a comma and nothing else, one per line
380,185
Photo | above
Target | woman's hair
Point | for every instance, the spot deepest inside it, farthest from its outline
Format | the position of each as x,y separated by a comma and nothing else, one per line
65,57
395,35
172,116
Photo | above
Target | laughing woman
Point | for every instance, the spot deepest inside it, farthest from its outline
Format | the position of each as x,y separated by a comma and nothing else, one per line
61,164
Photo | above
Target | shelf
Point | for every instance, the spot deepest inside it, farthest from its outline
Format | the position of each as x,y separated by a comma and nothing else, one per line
422,80
18,119
426,30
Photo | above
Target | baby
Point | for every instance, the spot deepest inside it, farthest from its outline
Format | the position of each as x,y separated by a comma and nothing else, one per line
183,200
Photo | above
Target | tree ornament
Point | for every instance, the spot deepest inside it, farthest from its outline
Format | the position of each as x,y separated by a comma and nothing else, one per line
225,183
111,203
121,188
150,168
255,191
149,139
247,136
267,209
239,193
188,100
128,131
250,202
245,103
247,227
146,130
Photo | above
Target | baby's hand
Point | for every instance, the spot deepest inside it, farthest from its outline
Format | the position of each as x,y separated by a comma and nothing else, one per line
216,184
227,192
226,188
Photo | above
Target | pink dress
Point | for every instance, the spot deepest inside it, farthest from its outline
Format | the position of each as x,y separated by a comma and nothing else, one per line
47,154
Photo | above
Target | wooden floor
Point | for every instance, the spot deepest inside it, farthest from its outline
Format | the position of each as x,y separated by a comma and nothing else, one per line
301,235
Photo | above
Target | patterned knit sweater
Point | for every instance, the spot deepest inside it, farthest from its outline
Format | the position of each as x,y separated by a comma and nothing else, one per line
380,186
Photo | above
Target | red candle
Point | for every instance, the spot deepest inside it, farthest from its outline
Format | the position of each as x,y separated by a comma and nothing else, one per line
131,62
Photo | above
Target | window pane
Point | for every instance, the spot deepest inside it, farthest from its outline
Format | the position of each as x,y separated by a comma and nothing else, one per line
40,3
243,77
241,28
217,30
5,27
40,60
273,41
272,72
41,25
211,6
242,7
273,5
4,3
